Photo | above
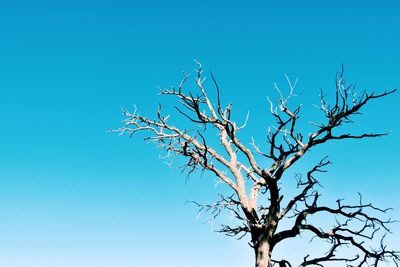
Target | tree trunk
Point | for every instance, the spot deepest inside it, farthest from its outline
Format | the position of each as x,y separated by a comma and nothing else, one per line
263,254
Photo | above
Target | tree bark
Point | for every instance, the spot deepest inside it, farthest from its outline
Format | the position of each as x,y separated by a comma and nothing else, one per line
262,253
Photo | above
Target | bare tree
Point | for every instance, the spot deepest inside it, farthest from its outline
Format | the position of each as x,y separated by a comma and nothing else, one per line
257,200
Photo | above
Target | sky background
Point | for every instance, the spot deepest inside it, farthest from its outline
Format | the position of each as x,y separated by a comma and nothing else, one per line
72,194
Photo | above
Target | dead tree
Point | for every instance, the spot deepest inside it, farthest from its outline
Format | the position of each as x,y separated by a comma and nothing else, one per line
257,201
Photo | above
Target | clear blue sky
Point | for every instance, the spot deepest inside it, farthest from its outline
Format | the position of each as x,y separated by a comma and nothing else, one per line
73,195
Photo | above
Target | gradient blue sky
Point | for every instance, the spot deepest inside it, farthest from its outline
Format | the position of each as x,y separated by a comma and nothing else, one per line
73,195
